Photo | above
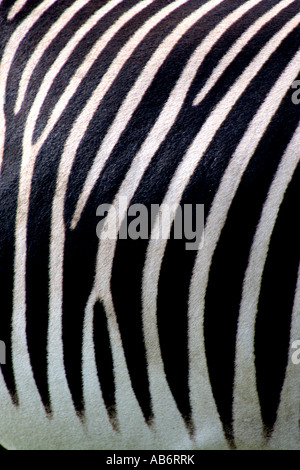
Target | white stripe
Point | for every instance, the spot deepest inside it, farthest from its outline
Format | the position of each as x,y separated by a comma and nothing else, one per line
106,251
237,47
15,9
217,117
123,386
286,434
181,178
82,122
246,403
137,92
57,225
127,403
90,108
42,47
215,223
23,369
8,57
80,73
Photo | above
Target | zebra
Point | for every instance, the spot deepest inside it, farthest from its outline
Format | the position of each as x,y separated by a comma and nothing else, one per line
141,343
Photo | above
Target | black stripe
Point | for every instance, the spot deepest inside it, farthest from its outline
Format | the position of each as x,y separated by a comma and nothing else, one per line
232,251
130,255
80,247
272,332
104,361
37,261
80,52
231,255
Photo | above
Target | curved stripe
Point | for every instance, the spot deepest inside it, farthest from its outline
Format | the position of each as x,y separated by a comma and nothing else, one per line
214,121
213,228
8,57
78,75
89,110
132,101
286,429
56,260
41,48
238,47
30,153
127,428
246,403
15,9
186,168
106,250
19,301
127,188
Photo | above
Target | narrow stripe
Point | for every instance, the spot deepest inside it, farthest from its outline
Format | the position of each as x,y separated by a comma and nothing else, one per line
245,394
237,47
213,228
134,97
30,153
57,230
78,75
8,57
286,433
103,283
41,47
15,9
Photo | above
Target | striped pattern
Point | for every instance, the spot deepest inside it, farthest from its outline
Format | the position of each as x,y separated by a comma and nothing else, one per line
140,344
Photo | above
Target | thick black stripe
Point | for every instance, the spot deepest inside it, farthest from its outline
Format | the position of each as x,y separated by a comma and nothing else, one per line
8,201
6,6
104,361
37,262
275,305
231,255
77,57
128,309
79,268
7,212
80,248
141,121
248,53
26,48
118,163
177,264
230,258
170,308
130,255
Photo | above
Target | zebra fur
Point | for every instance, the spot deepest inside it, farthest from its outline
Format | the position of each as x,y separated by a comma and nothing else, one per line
141,344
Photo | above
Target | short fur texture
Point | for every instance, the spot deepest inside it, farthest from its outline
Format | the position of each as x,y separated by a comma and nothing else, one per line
142,344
